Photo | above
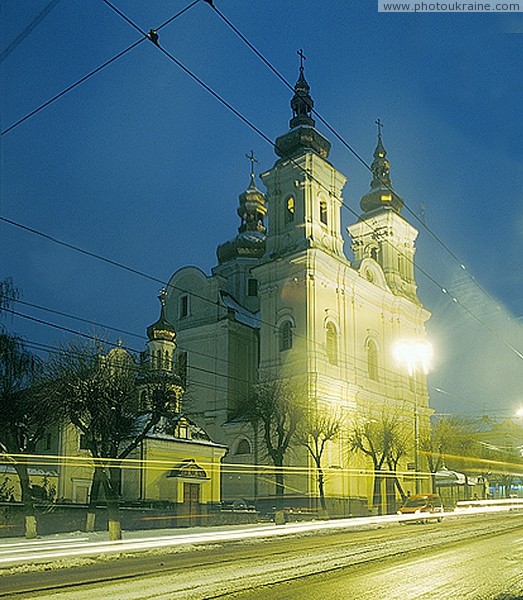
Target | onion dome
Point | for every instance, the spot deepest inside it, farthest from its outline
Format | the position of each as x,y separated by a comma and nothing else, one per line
381,194
250,241
302,135
118,356
162,329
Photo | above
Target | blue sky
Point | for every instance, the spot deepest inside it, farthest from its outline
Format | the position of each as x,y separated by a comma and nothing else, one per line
141,165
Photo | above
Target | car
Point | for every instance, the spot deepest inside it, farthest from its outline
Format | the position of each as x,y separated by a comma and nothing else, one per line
428,506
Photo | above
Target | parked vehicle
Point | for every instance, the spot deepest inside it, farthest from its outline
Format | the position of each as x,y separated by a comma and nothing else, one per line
428,506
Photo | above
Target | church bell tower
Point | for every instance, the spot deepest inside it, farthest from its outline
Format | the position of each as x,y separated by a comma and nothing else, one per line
381,233
303,188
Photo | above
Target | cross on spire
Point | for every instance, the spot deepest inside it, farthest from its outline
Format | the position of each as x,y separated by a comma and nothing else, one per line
380,125
302,58
252,159
162,296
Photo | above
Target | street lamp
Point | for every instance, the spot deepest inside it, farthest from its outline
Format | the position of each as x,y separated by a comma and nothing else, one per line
414,354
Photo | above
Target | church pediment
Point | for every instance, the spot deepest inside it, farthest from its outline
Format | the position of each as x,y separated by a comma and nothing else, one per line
188,469
370,270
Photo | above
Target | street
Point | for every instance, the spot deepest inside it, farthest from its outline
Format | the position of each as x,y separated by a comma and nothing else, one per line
468,556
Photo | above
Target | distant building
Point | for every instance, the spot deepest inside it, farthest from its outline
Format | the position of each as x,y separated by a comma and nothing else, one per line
284,302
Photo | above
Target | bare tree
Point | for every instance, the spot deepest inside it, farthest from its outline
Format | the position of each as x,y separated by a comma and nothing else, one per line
449,443
275,407
380,437
25,413
101,397
319,426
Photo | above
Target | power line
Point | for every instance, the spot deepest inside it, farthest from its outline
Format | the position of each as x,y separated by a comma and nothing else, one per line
230,107
239,115
95,338
353,151
267,139
97,70
21,36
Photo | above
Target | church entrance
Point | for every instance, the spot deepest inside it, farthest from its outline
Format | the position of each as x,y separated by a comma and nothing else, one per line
191,504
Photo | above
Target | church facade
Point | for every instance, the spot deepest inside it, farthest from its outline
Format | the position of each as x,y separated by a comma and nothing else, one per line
285,302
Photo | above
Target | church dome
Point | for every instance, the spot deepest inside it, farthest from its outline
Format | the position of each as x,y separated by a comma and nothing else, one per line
381,194
302,135
162,329
250,241
248,244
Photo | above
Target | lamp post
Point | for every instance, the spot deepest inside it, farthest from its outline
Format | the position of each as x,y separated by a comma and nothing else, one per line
414,354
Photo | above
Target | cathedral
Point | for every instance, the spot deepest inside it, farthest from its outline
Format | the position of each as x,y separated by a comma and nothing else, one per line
284,302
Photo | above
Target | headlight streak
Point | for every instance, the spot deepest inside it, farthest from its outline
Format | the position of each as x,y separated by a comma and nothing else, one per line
79,547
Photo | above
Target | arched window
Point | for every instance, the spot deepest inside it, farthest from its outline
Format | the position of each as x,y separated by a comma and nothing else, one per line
290,209
285,336
331,343
323,212
374,253
243,447
372,360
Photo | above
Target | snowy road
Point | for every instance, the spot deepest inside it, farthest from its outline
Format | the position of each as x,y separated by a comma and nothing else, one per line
476,557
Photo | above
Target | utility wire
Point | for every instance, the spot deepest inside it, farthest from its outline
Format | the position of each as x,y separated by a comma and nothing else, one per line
50,348
239,115
97,70
230,107
353,152
21,36
267,139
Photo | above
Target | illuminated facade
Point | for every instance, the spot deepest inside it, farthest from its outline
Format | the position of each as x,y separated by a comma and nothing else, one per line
285,302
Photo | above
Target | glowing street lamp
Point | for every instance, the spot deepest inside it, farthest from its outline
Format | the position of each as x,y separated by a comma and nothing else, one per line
414,354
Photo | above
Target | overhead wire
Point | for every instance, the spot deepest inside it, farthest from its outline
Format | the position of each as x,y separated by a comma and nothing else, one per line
114,263
246,121
94,71
384,371
267,139
358,156
27,30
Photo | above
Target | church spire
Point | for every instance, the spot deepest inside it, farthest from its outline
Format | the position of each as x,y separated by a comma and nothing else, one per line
250,241
380,165
380,194
162,330
302,136
252,209
302,103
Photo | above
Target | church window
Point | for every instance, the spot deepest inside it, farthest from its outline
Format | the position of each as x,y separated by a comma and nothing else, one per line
184,306
243,447
323,212
331,342
167,361
82,442
181,367
252,287
289,210
374,253
372,360
286,336
48,438
182,430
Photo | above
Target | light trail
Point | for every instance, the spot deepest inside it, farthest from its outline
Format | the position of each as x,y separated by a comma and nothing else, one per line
80,548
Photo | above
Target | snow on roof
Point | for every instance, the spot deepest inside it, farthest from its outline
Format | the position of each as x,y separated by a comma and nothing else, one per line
242,315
